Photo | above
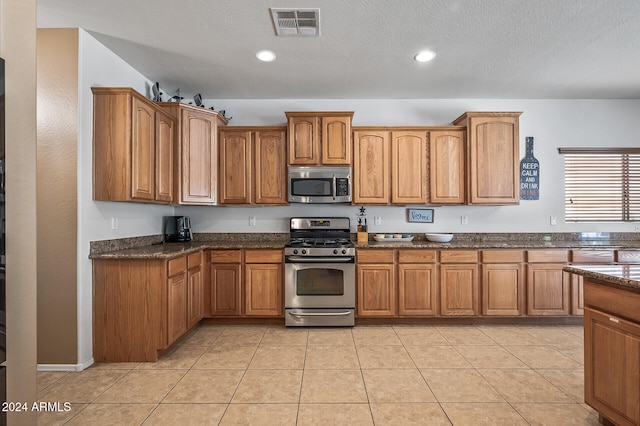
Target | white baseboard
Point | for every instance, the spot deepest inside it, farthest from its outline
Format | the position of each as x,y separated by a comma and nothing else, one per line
65,367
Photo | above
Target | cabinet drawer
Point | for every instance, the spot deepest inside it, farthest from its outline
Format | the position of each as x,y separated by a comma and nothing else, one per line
226,256
263,256
416,256
592,256
502,256
374,256
177,265
628,256
547,256
459,256
194,259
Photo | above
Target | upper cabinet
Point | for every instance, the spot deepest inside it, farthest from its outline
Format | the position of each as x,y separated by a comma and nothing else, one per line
252,166
492,157
196,132
409,167
447,166
319,138
371,167
133,148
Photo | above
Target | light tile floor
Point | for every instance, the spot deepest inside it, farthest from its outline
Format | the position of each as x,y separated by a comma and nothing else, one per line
382,375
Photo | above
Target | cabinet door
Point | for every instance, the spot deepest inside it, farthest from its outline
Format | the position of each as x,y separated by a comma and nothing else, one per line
371,168
235,167
143,151
376,290
493,160
304,140
336,140
194,278
459,289
199,168
612,365
417,290
176,307
447,167
409,168
547,289
263,289
225,293
270,168
164,157
502,289
577,294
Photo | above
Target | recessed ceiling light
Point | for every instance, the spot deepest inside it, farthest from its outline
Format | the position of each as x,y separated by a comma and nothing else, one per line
424,56
266,56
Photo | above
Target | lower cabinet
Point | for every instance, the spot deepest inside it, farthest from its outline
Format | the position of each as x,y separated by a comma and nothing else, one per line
547,285
246,283
417,283
612,363
142,306
376,284
459,286
502,282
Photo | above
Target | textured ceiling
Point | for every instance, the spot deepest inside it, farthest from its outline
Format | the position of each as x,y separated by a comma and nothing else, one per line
485,48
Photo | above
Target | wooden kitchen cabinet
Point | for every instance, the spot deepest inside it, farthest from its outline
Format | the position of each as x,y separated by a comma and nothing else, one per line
319,138
577,282
133,148
196,132
502,282
142,306
417,283
252,166
493,157
409,167
225,296
376,286
547,284
447,167
263,286
459,287
195,282
371,174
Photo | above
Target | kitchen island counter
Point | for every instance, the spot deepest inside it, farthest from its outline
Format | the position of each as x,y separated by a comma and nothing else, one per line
624,277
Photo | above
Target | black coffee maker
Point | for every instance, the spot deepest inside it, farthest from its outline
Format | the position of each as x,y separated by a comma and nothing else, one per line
177,228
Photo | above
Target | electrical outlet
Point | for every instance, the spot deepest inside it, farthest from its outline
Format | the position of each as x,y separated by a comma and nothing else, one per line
252,221
377,220
114,223
463,220
553,221
637,228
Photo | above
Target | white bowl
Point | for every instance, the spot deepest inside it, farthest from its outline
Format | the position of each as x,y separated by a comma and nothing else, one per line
439,238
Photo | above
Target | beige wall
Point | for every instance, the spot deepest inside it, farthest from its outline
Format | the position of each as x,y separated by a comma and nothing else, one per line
57,54
18,47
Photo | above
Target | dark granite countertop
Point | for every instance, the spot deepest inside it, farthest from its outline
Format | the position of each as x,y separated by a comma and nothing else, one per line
524,244
621,276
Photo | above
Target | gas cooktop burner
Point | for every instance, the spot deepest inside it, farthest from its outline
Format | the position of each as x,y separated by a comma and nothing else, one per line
319,242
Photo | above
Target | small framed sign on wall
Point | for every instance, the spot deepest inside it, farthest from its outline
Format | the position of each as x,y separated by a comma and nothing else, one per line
420,215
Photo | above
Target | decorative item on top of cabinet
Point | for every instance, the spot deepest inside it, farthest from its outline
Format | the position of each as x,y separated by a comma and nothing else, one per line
502,282
492,157
409,167
196,131
133,148
371,167
252,166
447,166
319,138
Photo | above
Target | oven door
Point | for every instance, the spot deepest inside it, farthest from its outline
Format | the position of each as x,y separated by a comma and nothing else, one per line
320,285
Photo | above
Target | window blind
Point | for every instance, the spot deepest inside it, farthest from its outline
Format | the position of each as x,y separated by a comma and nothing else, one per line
602,185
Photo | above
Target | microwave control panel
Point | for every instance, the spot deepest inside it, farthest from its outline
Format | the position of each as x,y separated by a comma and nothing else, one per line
342,187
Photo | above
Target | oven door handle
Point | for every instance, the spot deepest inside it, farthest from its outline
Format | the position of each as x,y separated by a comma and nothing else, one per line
320,314
323,260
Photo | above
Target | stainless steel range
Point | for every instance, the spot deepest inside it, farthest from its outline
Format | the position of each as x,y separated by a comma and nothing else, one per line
320,273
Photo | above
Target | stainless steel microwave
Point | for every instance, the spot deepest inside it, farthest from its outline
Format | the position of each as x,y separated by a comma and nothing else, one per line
319,184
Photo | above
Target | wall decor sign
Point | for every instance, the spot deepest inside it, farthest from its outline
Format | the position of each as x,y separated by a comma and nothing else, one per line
420,215
529,174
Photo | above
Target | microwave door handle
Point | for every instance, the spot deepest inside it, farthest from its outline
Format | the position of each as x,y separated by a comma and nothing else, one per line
335,187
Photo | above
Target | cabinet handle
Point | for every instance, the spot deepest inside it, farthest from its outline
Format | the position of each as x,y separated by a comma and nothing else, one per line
614,320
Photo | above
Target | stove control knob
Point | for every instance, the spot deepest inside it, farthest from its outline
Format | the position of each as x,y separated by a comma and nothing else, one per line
304,251
295,251
344,251
335,251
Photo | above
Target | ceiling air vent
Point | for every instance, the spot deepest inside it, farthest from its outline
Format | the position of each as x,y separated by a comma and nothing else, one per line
296,22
